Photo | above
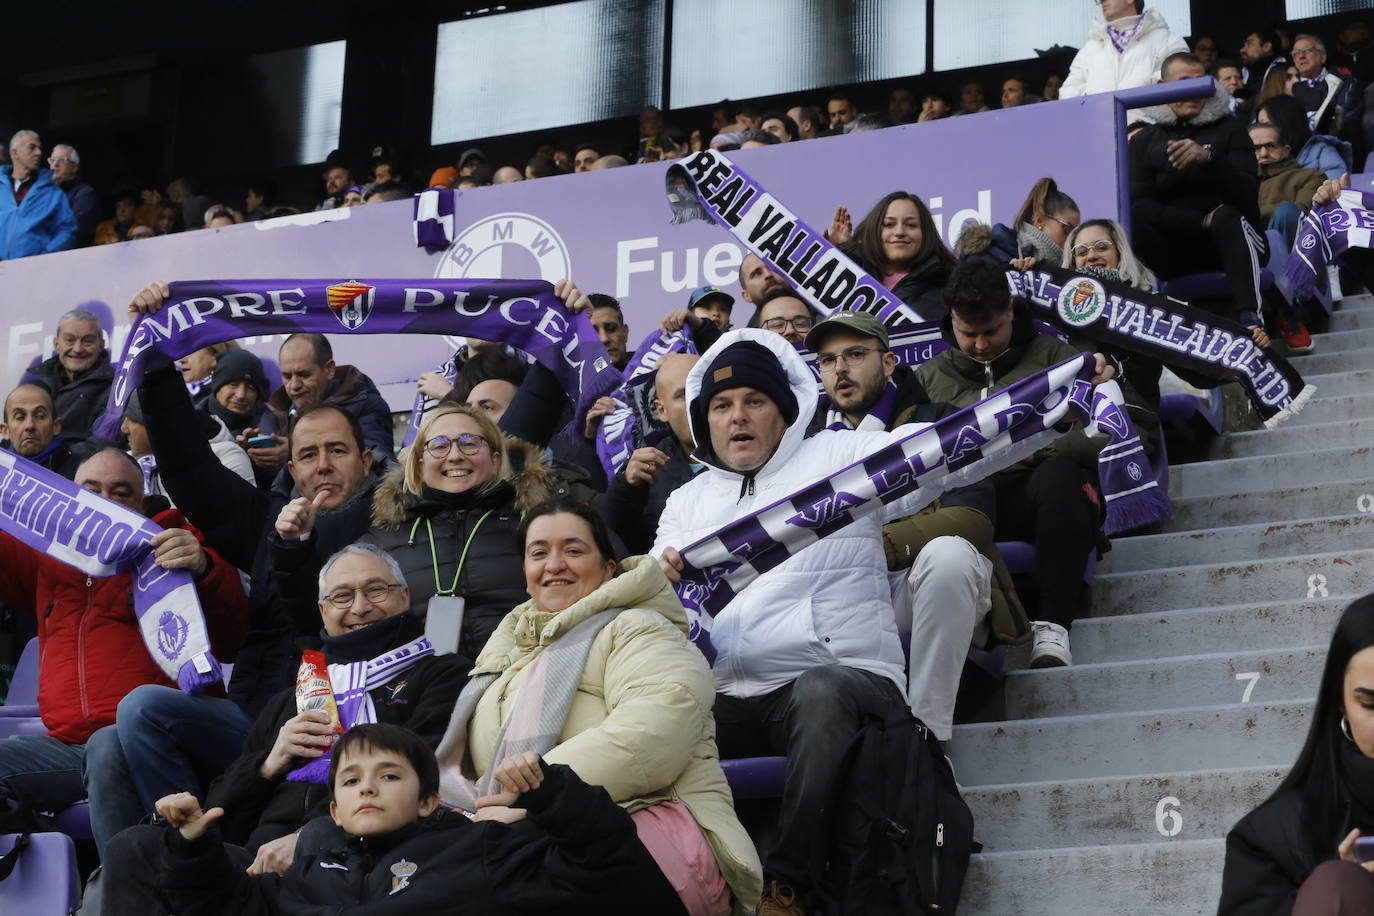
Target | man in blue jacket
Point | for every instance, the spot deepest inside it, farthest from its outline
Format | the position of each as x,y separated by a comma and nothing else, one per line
35,217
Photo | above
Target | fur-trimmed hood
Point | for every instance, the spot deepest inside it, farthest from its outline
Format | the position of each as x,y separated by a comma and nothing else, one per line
1217,107
532,481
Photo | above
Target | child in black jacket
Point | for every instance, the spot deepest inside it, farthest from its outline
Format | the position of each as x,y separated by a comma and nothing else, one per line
391,849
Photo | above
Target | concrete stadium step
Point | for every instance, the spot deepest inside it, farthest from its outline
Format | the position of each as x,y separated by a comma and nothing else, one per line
1322,409
1235,628
1129,743
1344,341
1264,540
1354,319
1258,676
1320,575
1295,438
1124,809
1319,362
1335,384
1298,501
1179,878
1270,472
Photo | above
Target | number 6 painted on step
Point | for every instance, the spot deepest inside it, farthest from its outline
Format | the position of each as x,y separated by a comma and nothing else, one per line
1168,821
1251,676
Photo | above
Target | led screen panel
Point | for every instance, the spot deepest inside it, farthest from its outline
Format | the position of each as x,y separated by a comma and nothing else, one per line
534,69
737,50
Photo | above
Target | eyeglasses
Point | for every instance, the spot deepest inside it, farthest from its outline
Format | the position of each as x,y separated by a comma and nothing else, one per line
376,593
850,356
801,324
53,161
1099,246
1068,227
1307,50
468,444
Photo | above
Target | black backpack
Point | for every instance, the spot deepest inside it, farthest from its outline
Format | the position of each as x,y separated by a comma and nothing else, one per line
903,835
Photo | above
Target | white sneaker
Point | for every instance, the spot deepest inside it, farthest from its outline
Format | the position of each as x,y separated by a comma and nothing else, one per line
1051,648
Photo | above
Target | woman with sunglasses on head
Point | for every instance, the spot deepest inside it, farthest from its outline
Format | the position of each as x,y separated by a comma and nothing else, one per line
449,514
1042,224
898,244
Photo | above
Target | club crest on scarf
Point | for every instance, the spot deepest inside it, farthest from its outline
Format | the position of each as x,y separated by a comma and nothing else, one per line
172,630
350,302
1082,301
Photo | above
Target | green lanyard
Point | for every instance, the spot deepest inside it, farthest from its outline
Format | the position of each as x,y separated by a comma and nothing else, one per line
434,557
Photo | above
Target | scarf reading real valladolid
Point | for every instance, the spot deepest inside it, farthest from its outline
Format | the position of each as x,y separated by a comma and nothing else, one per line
54,516
522,313
709,186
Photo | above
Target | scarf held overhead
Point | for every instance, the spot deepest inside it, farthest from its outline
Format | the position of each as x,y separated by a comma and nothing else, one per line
1325,234
1175,333
522,313
100,538
709,186
955,451
634,423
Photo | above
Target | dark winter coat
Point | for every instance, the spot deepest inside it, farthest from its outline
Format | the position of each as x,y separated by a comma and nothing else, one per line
78,401
1174,201
580,854
632,511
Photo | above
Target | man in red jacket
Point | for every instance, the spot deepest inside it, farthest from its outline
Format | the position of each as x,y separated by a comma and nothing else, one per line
90,648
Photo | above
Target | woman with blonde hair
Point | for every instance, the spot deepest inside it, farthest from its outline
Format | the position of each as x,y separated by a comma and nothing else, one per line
449,515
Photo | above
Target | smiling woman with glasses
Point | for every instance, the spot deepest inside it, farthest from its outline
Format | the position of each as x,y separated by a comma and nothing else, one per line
449,516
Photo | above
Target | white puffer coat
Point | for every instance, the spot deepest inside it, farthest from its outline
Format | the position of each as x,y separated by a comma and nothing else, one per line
1099,67
830,603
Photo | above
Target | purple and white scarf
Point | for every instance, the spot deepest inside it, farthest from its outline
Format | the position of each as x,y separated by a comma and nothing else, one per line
433,217
955,451
1123,317
522,313
1325,234
353,683
633,424
424,403
1120,38
709,186
100,538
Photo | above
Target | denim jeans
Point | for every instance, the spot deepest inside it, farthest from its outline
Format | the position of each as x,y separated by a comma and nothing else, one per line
43,771
812,720
163,741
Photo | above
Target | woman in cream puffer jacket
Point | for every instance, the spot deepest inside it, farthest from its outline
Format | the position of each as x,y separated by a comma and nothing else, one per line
640,724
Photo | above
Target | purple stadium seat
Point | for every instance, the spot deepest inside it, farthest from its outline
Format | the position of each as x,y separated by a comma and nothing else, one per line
22,699
755,777
43,882
1020,559
1183,406
1209,285
21,725
75,821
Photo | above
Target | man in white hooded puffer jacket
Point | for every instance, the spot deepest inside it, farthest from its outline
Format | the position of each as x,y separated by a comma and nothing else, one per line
811,645
1123,51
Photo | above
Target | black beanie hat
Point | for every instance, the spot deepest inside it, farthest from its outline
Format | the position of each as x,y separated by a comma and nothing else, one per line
234,365
745,364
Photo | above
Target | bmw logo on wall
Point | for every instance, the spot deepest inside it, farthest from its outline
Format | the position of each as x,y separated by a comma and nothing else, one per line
506,246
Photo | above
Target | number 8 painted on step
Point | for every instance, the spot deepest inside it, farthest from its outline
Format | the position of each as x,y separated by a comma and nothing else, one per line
1316,586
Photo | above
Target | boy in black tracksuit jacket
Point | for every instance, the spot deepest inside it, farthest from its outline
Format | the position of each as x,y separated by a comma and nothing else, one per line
388,851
